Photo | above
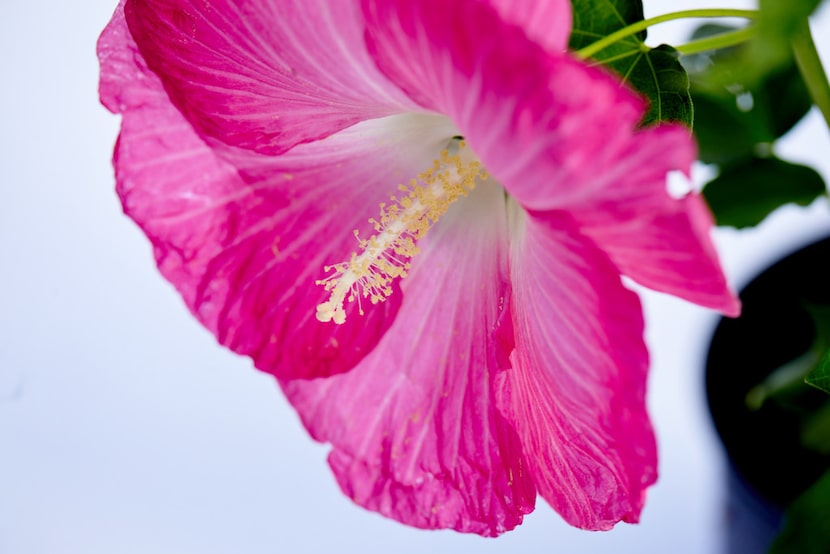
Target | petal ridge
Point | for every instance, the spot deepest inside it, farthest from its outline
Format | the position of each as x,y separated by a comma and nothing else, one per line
433,451
577,387
261,79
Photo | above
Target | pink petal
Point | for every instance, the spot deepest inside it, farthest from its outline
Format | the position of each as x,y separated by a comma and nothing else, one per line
414,427
559,136
576,393
534,118
462,56
125,81
547,22
245,252
661,242
263,75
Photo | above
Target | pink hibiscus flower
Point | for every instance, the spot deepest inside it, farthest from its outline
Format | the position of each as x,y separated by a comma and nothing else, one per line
260,136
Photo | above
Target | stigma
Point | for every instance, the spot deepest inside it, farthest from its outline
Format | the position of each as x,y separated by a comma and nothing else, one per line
387,254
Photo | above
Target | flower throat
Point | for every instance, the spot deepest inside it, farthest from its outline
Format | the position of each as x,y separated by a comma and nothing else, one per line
386,254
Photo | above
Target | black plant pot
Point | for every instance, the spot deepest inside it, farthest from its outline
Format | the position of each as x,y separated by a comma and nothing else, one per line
769,467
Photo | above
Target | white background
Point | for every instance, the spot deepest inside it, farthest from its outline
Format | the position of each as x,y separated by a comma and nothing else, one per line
125,429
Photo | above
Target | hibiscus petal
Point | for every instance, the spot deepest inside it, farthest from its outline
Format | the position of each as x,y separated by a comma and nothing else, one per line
560,136
245,252
415,432
534,118
576,393
547,22
660,242
460,56
263,75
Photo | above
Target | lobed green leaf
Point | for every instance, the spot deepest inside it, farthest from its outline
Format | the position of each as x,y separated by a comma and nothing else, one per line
654,72
745,193
820,376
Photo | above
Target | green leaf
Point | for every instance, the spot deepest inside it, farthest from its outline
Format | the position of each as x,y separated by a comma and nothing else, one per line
784,97
745,193
654,72
806,524
595,19
731,121
820,376
725,133
778,22
658,74
770,49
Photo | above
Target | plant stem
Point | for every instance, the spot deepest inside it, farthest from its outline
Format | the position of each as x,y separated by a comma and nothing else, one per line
722,40
639,26
809,64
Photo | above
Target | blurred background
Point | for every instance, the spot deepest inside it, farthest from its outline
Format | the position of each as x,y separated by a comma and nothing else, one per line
124,428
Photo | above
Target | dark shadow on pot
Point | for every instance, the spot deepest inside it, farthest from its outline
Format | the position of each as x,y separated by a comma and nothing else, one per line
768,466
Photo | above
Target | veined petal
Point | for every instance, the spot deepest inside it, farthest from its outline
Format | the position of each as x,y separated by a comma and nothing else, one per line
560,141
535,119
547,22
245,252
263,75
660,242
456,57
432,451
560,136
576,391
245,256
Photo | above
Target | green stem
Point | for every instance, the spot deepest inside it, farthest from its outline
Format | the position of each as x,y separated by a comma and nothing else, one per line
785,380
639,26
809,64
723,40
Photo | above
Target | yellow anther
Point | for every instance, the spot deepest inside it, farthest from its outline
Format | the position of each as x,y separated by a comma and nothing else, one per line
385,256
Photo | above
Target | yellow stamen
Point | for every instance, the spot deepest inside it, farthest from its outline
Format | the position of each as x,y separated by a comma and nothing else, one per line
385,256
